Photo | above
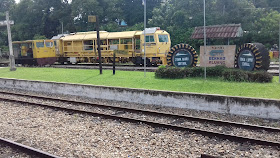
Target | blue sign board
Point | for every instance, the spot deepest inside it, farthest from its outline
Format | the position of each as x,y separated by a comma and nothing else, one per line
182,58
246,60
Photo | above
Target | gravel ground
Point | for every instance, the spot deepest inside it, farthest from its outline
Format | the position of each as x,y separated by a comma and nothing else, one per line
270,136
63,134
76,135
7,152
179,111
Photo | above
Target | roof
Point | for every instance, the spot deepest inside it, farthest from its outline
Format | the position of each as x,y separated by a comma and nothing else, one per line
218,31
76,37
59,36
117,35
85,36
30,41
103,35
19,42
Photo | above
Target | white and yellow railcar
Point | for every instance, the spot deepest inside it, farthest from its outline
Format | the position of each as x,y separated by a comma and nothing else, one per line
128,46
34,52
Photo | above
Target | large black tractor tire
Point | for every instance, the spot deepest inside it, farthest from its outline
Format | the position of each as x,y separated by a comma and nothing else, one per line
258,52
187,51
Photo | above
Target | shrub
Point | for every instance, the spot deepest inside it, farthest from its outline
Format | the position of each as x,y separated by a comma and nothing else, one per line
261,76
216,71
235,75
197,72
188,72
170,72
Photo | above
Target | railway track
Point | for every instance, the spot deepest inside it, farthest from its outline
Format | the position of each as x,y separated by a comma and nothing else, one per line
177,121
26,149
106,67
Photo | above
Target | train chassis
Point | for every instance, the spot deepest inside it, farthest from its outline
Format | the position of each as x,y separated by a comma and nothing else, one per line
138,61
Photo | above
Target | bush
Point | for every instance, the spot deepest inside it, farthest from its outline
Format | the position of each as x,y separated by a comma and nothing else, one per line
227,74
261,76
211,71
247,76
235,75
216,71
170,72
196,72
188,72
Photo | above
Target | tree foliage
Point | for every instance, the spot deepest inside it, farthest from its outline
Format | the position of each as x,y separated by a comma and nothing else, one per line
41,18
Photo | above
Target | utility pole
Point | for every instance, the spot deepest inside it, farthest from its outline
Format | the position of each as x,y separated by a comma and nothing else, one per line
279,51
204,40
98,45
12,57
62,28
96,20
144,3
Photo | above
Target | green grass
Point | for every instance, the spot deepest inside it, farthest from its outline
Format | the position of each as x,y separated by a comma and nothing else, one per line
135,79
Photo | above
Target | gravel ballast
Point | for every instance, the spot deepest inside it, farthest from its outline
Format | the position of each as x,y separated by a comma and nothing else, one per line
76,135
257,134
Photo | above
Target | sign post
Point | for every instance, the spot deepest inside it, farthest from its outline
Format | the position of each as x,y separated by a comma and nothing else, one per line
12,57
94,19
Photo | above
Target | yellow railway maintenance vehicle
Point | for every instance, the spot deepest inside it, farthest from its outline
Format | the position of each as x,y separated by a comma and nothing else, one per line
34,52
128,46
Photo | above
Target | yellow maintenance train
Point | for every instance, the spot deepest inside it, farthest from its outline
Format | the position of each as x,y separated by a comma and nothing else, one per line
81,47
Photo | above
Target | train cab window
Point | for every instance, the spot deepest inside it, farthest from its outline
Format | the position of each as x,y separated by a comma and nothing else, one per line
49,44
150,38
39,44
163,38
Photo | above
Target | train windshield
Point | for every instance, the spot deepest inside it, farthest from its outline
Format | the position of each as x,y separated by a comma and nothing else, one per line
39,44
163,38
49,44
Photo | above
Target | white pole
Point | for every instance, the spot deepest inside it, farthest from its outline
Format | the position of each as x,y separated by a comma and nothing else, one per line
279,51
144,38
62,28
12,57
204,41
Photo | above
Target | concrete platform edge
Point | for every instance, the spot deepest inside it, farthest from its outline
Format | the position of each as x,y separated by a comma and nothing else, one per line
255,107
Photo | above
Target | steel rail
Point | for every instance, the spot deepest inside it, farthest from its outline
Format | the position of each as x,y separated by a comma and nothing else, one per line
151,112
155,124
123,68
26,149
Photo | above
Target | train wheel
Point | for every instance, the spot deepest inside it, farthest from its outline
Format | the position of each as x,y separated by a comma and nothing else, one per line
182,55
252,56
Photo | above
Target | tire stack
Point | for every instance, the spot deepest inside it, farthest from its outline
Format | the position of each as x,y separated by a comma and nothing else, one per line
185,50
252,56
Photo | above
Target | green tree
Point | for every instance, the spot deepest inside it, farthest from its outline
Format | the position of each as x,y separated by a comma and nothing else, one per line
108,11
266,29
5,5
133,10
